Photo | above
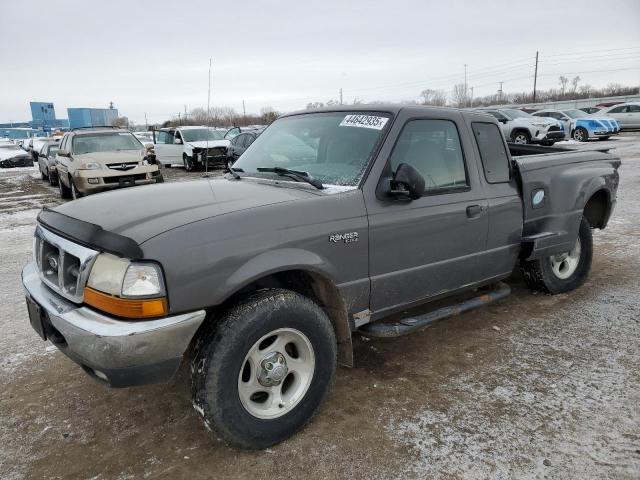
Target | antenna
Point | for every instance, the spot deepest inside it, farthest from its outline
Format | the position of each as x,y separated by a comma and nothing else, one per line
206,155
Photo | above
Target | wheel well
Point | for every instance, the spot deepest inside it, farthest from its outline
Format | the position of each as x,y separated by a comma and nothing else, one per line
320,290
520,130
597,209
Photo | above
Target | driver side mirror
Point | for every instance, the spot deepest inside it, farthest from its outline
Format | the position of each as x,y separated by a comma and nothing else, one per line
63,153
407,182
177,141
502,120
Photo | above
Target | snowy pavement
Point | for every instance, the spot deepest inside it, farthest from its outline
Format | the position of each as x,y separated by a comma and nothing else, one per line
534,386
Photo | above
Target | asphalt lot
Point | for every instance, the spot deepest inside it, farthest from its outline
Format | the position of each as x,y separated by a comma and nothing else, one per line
534,386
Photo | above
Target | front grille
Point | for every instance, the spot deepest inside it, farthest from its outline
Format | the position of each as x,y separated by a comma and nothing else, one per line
64,266
123,167
554,128
137,176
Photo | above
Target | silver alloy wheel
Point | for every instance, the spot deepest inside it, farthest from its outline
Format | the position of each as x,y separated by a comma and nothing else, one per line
520,139
276,373
565,265
578,135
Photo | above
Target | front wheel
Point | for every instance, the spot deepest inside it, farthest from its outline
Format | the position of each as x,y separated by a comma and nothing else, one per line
521,138
262,371
188,163
65,192
563,272
580,135
75,193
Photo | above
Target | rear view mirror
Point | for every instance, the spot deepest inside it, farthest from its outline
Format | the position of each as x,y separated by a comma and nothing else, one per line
407,182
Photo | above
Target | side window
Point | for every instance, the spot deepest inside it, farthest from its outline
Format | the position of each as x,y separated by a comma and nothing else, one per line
433,148
620,109
495,160
163,137
633,108
249,141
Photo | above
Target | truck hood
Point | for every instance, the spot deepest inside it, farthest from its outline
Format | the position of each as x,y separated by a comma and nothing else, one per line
141,213
211,143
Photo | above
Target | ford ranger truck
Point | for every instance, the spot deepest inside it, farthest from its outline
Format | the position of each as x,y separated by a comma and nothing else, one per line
332,222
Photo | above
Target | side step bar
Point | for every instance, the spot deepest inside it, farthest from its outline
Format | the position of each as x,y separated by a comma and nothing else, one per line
405,326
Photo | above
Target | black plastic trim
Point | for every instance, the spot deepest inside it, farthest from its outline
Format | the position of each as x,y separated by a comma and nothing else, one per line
89,234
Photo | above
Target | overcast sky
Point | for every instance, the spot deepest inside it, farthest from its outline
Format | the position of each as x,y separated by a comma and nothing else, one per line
153,56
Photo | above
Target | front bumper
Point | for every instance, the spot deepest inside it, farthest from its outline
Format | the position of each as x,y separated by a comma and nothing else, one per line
117,352
93,181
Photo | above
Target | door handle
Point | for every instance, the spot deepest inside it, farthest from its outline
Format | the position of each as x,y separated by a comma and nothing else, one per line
474,211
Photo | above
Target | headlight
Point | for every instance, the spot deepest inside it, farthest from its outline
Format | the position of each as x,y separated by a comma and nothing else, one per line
92,166
126,289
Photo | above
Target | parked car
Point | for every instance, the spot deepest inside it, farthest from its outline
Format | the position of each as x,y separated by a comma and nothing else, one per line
262,276
47,162
522,128
190,146
239,143
12,155
626,114
91,160
146,138
582,127
590,109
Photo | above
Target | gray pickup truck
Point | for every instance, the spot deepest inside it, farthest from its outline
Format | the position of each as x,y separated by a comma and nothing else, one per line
332,222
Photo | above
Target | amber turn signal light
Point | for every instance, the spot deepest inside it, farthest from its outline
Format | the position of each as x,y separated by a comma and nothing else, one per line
126,307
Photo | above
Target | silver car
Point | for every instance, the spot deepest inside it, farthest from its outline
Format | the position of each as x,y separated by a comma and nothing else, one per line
627,114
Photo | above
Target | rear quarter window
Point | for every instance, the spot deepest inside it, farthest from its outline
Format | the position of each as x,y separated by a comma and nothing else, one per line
493,154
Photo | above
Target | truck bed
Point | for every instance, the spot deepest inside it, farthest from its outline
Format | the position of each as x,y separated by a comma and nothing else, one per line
557,185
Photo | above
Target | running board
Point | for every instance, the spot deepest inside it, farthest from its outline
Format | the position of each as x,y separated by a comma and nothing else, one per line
412,324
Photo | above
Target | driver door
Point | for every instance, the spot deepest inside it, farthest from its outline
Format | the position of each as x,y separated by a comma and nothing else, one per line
167,151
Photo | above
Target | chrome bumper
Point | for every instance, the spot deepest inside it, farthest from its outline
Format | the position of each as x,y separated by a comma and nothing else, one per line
120,353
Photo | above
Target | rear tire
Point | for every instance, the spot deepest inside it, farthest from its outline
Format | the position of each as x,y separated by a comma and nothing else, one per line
261,372
562,273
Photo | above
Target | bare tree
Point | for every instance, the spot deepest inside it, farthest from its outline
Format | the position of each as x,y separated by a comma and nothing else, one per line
574,84
120,122
563,81
459,95
268,114
434,97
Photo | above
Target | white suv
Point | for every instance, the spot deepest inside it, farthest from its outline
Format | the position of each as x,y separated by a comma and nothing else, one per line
520,127
190,146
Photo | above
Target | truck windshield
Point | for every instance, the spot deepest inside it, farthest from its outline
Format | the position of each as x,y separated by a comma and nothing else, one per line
106,142
201,134
333,147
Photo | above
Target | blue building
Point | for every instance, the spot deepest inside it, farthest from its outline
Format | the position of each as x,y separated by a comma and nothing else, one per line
43,115
91,117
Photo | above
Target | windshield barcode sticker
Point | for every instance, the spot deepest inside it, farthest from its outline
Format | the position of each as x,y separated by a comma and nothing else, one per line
364,121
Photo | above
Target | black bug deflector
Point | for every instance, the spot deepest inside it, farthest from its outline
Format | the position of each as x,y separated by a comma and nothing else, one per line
413,324
89,234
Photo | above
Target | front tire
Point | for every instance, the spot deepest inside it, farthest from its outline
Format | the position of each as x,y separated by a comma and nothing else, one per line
580,135
521,138
262,371
75,193
188,163
565,272
65,192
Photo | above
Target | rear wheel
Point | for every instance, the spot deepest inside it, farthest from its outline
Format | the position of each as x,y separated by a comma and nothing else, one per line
520,137
563,272
580,135
53,179
261,372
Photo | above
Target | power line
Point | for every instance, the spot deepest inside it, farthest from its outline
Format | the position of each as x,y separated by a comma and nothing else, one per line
591,51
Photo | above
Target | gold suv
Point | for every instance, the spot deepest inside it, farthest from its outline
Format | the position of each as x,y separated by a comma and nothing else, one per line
92,160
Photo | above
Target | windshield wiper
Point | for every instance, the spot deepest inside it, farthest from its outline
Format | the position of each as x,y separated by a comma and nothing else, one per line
298,175
234,172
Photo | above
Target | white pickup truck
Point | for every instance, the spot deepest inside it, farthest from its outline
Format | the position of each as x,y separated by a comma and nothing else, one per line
190,146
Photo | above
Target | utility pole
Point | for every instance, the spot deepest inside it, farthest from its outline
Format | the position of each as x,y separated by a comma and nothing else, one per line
244,113
471,100
465,79
185,113
500,92
340,95
146,123
206,155
178,118
535,78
